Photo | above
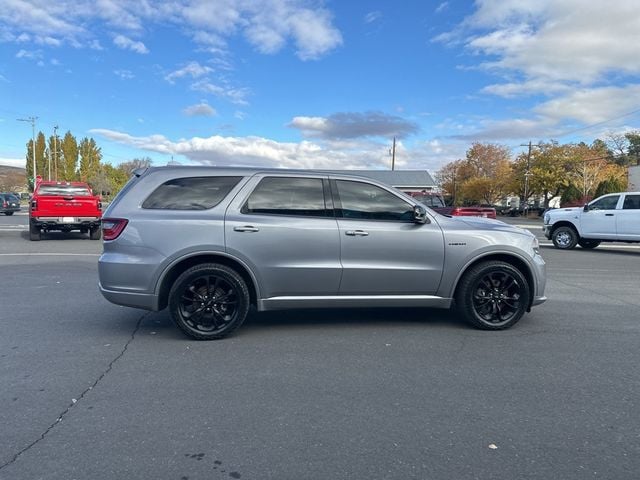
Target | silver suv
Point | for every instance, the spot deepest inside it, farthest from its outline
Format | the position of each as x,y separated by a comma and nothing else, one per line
208,242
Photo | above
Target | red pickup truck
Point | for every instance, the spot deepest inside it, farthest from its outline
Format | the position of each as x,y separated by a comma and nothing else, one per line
64,206
435,202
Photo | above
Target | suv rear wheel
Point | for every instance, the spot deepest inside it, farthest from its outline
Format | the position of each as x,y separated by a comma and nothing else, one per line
493,295
209,301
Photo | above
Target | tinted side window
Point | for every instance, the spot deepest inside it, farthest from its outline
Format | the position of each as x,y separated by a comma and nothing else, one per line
631,202
606,203
363,200
191,193
288,196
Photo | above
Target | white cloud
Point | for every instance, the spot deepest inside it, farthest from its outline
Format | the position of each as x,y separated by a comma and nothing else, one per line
193,70
567,41
372,16
234,95
264,152
442,7
126,43
199,110
124,74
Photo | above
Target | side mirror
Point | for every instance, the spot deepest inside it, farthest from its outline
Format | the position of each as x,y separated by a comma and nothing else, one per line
419,214
586,207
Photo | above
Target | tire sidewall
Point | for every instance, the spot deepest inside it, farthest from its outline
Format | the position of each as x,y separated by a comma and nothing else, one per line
226,273
464,298
565,230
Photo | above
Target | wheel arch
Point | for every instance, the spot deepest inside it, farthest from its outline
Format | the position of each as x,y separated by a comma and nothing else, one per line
565,223
514,260
170,275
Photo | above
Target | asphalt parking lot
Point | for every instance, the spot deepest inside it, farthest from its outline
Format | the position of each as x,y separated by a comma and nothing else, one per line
91,390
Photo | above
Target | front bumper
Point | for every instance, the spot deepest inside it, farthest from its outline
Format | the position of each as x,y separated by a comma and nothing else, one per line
546,229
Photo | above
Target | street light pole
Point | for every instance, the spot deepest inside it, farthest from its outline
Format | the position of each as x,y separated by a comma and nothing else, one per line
32,120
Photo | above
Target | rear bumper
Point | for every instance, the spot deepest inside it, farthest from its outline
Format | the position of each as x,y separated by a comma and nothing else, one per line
145,301
65,223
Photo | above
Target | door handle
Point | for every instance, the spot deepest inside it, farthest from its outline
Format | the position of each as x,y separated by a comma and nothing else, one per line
356,233
608,214
246,228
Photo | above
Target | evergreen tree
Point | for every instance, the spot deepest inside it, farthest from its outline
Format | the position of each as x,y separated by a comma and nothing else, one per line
69,163
90,157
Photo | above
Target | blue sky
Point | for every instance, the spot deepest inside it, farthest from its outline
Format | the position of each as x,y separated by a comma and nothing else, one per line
316,84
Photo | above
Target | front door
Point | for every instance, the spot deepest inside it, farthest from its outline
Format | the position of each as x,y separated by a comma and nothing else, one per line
600,220
382,250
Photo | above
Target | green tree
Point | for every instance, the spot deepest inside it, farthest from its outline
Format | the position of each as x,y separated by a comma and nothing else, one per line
69,164
134,164
90,157
41,162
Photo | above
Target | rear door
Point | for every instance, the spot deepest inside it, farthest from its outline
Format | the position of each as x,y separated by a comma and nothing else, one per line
383,251
628,218
282,227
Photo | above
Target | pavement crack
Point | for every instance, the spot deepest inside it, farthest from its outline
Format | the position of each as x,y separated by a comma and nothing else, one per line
75,402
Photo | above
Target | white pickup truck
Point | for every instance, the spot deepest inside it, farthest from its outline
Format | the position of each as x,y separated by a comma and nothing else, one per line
610,218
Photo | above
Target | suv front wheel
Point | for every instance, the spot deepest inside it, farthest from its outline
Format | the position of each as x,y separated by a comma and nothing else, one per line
493,295
209,301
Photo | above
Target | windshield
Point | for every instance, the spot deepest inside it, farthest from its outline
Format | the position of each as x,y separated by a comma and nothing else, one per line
65,190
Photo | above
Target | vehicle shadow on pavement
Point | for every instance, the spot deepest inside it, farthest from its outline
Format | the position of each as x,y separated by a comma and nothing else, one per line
58,236
356,317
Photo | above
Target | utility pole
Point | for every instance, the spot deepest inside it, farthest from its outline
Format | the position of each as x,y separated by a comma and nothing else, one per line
393,154
32,120
55,152
526,179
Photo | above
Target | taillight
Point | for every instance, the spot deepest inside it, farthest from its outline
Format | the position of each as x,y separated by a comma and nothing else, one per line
34,205
113,227
99,205
5,204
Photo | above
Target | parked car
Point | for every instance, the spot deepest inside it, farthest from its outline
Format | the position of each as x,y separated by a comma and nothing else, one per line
64,206
209,242
610,218
9,203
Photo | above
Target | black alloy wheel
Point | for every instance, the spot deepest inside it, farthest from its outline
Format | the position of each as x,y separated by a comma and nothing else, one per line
209,301
493,295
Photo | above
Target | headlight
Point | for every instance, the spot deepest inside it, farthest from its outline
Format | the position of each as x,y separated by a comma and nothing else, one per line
546,218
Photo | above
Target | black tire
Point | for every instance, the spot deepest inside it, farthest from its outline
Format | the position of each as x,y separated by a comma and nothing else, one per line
8,214
95,233
209,301
35,234
493,295
565,238
588,243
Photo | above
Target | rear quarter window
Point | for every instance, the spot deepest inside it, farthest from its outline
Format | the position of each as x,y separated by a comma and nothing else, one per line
190,193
